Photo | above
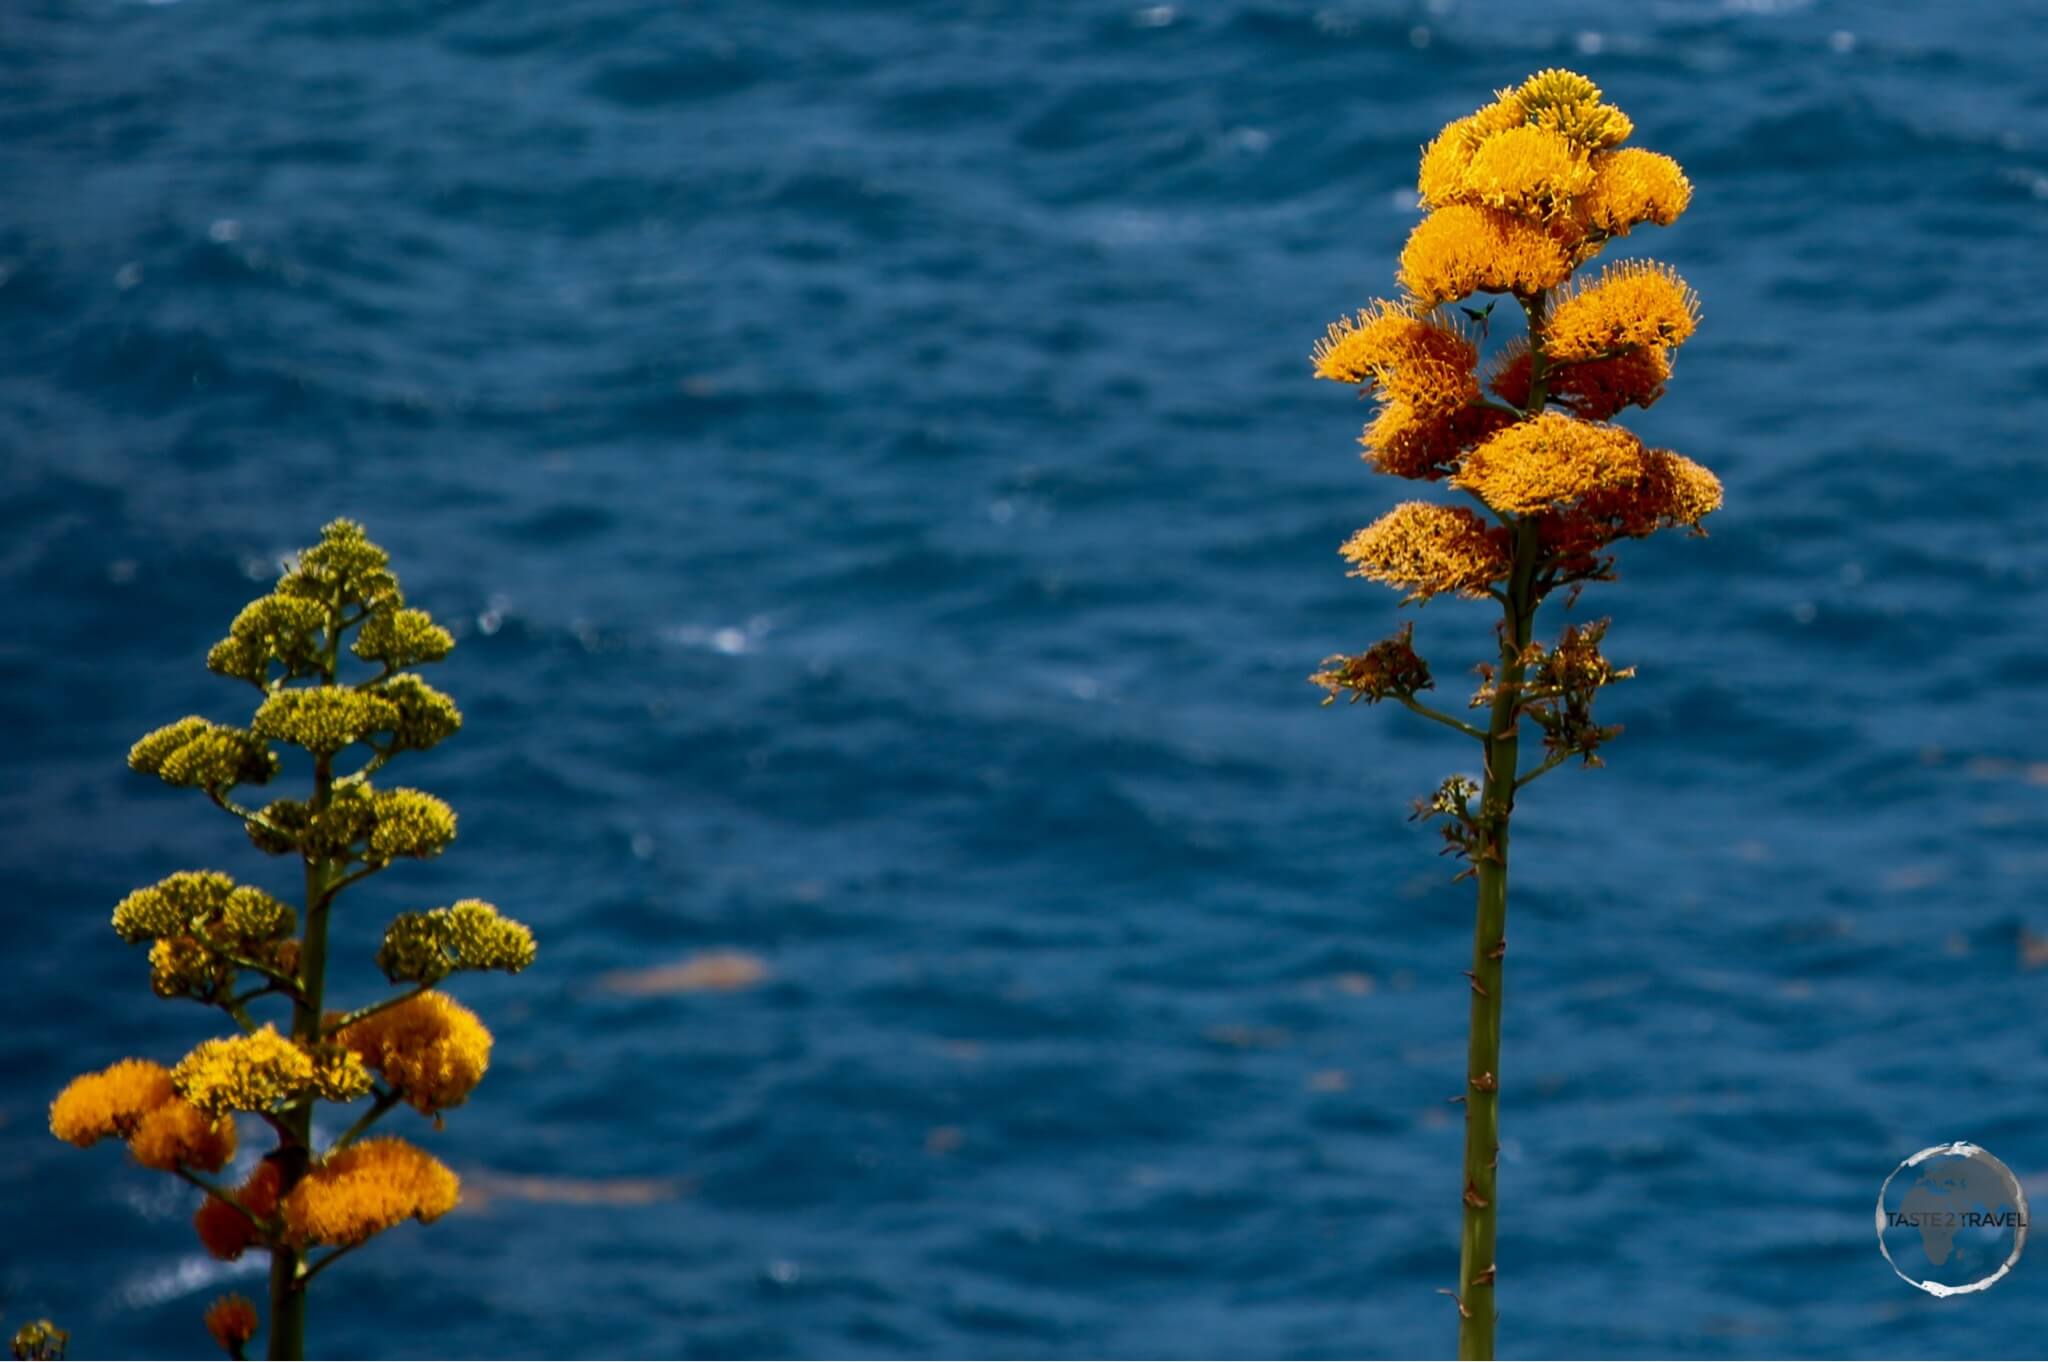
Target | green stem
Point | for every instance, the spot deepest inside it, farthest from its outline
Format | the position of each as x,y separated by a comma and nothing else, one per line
386,1099
221,1193
1476,1269
1448,721
317,1268
350,1019
1550,763
287,1264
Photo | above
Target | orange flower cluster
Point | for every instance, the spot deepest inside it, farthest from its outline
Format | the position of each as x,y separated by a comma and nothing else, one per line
1418,362
1427,550
1596,390
1632,186
1529,186
1548,460
430,1047
365,1189
1635,303
225,1231
1465,248
135,1100
232,1322
1520,194
1671,492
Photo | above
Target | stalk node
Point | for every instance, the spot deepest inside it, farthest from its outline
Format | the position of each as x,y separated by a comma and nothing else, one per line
1499,951
1472,1197
1456,1300
1485,1083
1477,987
1485,1278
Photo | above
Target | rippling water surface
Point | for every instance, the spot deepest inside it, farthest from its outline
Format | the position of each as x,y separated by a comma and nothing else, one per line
868,453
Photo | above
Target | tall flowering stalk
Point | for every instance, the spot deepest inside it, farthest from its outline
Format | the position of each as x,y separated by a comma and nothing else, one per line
316,1195
1521,195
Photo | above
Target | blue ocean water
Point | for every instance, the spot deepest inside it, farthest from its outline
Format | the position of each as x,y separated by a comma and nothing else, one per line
868,454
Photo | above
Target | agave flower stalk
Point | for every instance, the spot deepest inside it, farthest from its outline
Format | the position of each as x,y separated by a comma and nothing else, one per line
234,947
1520,196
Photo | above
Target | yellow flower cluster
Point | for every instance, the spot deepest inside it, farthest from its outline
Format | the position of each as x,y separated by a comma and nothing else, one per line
232,1322
1529,186
263,1071
1549,460
1632,186
430,1047
1426,550
1528,170
224,1230
1634,303
1418,361
138,1101
365,1189
1441,180
1464,249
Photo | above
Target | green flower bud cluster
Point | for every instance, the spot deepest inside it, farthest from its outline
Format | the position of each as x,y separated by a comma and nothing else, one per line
288,630
402,638
360,824
323,719
409,823
344,568
425,715
205,901
471,935
198,918
201,754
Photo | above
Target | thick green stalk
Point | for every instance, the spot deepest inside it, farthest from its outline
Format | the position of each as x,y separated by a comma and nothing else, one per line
1476,1269
287,1265
1489,951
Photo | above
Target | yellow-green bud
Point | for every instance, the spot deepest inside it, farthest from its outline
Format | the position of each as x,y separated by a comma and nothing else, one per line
323,719
199,753
470,935
409,823
169,907
425,715
402,638
284,629
344,568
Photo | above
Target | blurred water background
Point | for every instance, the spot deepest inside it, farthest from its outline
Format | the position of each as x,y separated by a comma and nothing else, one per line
869,456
